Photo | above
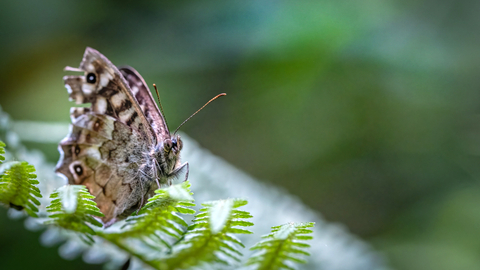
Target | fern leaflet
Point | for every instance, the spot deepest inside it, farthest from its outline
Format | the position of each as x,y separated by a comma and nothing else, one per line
18,186
2,152
159,218
72,209
210,239
285,244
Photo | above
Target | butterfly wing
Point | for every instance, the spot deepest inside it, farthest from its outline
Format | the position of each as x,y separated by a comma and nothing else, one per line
109,93
105,155
146,102
107,143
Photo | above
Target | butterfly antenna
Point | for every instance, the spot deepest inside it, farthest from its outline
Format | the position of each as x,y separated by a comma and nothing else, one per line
217,96
160,103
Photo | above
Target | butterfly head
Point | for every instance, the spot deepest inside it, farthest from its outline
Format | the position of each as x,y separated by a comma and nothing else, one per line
172,146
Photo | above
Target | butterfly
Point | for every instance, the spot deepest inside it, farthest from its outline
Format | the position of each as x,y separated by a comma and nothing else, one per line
120,147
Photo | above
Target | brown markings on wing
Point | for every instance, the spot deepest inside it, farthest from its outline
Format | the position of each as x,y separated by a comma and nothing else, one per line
147,104
109,93
104,154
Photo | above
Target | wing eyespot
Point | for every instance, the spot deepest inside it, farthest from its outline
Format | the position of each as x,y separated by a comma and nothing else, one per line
78,170
96,125
91,78
77,150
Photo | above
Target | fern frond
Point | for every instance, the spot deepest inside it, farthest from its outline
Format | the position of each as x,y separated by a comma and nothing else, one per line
18,186
285,244
2,152
159,219
210,239
72,208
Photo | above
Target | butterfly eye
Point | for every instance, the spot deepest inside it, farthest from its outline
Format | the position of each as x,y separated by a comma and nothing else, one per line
91,78
168,144
78,169
174,142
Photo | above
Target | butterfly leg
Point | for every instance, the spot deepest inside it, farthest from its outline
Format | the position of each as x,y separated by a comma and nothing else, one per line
156,173
178,170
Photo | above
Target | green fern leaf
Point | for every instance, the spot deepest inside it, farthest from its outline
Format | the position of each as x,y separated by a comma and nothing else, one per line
2,152
281,247
210,238
18,186
72,208
159,220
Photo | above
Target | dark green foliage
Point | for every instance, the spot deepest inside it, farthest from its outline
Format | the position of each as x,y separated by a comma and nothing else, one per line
285,243
72,208
210,238
18,185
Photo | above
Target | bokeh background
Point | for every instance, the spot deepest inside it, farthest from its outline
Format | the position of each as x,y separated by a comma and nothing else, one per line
367,110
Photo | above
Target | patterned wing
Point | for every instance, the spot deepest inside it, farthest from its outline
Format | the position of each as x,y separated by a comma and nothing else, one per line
146,102
105,155
108,142
106,89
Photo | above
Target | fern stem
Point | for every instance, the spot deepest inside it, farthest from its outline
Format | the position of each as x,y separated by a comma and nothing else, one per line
273,259
284,244
118,242
198,253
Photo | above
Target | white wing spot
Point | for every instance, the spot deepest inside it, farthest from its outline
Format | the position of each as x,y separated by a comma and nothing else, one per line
105,79
90,67
87,88
125,115
118,99
69,89
100,105
134,90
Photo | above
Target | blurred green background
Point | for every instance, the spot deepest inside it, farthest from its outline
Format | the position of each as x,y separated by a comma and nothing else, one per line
367,110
